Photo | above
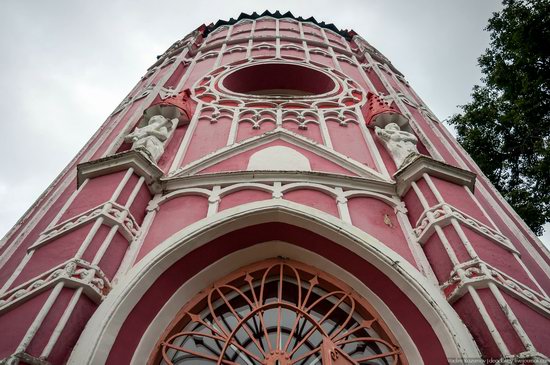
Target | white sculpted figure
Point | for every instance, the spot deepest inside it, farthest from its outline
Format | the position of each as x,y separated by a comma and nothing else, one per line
400,144
152,137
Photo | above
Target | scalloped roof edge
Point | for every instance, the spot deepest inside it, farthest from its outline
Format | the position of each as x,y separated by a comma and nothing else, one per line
278,15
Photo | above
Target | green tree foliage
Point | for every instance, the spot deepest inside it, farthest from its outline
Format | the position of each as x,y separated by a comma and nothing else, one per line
506,126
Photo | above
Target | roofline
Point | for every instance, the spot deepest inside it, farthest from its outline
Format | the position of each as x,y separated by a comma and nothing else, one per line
348,35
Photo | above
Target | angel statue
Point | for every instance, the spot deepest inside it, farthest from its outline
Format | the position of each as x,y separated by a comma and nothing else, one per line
400,144
152,137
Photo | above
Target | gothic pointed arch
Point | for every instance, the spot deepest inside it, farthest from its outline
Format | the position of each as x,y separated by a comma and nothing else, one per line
161,284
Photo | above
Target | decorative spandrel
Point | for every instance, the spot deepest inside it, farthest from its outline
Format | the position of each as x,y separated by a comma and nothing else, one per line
279,313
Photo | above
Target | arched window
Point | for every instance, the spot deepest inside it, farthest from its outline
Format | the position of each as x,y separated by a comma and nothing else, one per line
278,312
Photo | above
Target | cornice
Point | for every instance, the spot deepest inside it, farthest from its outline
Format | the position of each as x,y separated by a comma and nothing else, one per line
427,165
170,184
135,159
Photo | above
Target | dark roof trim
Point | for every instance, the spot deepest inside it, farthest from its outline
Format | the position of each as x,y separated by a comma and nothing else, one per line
277,15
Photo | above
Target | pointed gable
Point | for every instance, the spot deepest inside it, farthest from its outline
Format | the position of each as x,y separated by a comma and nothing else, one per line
237,157
240,161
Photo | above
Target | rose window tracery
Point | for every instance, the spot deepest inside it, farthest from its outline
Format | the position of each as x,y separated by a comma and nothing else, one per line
278,84
278,313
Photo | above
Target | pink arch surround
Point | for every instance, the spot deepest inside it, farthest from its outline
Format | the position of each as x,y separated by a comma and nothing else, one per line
189,261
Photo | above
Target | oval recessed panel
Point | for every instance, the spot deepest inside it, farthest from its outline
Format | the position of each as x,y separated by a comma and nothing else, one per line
279,80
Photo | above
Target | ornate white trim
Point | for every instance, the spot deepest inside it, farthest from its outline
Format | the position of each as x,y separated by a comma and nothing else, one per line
165,93
278,134
135,159
277,184
25,357
74,273
366,48
114,214
210,90
442,215
177,47
228,178
424,164
478,274
397,204
311,44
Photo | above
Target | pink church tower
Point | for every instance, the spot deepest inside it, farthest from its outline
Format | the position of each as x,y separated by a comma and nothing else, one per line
272,192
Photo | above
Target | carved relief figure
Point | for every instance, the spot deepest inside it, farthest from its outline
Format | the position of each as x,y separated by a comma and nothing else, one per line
400,144
152,137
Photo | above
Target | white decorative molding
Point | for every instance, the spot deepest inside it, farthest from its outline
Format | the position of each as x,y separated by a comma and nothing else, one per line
114,214
277,190
150,72
67,226
441,215
123,104
121,216
413,123
210,89
166,93
478,274
171,184
135,159
366,48
25,357
161,199
148,90
398,96
284,135
169,61
301,117
74,273
252,39
178,47
256,117
427,113
397,204
424,164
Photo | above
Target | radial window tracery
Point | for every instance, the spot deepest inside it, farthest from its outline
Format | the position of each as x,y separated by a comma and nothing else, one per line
278,313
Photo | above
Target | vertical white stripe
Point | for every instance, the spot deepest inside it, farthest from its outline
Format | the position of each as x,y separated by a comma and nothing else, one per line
488,322
39,319
61,324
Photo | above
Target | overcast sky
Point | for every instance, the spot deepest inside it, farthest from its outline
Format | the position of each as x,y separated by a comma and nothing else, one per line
65,65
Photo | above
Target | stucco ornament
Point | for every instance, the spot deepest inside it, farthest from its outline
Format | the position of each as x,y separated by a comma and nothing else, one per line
400,144
152,137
